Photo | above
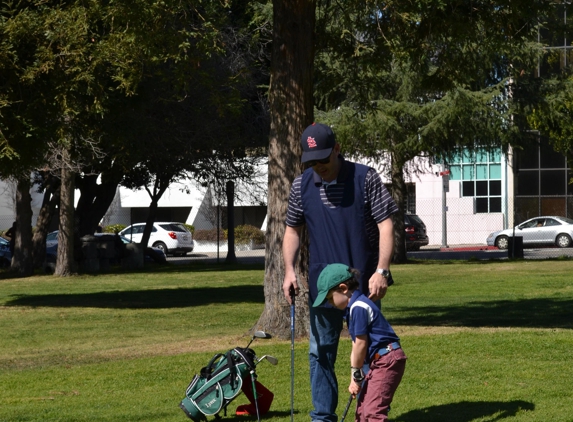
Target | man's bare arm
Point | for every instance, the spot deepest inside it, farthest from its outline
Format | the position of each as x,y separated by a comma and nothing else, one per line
291,246
377,283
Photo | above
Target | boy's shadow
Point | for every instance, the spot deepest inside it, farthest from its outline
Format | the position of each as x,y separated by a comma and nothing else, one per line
465,411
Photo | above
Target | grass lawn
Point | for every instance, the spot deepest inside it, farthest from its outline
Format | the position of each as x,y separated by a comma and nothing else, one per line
486,341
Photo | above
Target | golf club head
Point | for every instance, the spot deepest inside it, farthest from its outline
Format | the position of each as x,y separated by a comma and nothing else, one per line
261,334
271,359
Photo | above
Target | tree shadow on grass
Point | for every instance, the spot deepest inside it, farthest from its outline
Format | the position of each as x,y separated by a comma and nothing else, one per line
534,313
466,411
194,267
146,299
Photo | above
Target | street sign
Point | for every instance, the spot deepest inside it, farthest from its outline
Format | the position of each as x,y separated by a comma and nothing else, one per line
446,182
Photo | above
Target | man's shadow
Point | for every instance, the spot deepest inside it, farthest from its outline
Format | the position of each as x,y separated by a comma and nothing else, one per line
465,411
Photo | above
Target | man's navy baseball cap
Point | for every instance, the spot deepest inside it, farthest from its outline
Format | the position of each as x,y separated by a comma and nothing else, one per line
317,142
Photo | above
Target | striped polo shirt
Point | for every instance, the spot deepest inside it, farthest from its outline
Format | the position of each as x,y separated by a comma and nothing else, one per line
378,203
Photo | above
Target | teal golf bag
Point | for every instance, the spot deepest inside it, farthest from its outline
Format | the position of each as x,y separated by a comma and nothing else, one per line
218,383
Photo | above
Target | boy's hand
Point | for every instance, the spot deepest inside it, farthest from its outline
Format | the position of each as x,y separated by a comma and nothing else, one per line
354,388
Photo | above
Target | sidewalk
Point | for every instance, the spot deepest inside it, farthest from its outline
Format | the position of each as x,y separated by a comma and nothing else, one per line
459,248
257,256
462,252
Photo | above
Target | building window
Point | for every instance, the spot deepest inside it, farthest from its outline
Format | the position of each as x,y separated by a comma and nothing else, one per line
480,176
543,175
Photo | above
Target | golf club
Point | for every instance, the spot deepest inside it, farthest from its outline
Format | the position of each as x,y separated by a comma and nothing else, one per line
292,295
347,407
272,360
253,379
258,334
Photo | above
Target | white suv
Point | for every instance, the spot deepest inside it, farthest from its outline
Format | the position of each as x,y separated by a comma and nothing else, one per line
173,238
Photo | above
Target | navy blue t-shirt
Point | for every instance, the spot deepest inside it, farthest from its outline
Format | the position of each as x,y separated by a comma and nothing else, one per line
363,317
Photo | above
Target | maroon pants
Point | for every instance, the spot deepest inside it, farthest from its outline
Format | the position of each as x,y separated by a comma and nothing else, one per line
379,386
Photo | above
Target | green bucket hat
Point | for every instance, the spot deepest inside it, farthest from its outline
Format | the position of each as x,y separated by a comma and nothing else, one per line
331,276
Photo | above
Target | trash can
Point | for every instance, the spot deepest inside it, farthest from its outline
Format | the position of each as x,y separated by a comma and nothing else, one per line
515,247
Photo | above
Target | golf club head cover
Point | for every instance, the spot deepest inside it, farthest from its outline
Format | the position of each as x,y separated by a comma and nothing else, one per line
264,396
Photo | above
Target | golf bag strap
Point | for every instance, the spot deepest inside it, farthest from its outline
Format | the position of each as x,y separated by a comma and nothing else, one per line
232,369
207,371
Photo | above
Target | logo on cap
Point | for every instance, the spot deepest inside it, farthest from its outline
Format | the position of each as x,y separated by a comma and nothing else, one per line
311,142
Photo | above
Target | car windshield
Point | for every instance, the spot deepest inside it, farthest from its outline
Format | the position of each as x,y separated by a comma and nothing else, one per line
566,220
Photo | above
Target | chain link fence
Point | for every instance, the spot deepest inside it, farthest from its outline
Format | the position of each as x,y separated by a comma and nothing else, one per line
457,223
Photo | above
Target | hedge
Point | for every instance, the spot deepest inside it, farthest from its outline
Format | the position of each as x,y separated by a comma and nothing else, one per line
243,234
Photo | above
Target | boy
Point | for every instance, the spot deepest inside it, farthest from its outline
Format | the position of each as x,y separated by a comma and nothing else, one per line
374,342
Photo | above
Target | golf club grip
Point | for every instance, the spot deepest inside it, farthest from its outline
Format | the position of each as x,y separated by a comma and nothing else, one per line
346,409
292,311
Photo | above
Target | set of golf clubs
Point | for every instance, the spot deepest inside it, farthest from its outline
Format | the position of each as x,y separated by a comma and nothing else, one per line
271,359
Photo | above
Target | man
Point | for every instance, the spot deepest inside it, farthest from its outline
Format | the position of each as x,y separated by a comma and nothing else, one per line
347,210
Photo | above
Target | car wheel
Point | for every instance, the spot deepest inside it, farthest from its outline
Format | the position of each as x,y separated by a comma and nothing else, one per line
563,240
502,242
162,246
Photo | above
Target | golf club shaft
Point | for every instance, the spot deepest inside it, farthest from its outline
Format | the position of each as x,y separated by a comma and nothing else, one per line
292,311
347,407
253,379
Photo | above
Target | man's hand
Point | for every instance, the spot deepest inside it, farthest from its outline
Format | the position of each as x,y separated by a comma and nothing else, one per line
377,286
354,388
289,283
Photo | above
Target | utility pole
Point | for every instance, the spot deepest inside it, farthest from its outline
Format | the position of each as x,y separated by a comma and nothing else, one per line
231,257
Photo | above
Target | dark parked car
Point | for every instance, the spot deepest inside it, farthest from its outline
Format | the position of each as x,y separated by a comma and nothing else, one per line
5,254
415,232
151,254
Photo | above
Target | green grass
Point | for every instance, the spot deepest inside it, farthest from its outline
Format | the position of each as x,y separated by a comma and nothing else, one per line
485,342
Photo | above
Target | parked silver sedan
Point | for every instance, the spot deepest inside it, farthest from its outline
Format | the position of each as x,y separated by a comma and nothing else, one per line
545,230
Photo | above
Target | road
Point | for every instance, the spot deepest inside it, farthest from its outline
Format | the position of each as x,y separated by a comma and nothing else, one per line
465,252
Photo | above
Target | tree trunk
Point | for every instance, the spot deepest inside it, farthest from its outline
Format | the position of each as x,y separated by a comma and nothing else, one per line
95,200
159,188
50,202
399,192
291,110
22,262
66,260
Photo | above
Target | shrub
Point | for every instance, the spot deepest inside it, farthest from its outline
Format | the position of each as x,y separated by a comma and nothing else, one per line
243,234
114,228
189,227
209,235
247,233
